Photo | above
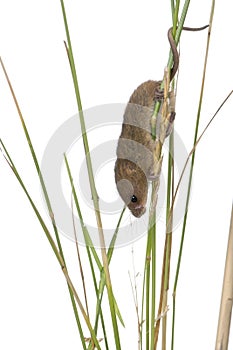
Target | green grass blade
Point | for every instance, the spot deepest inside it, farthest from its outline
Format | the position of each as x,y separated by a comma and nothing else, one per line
191,171
80,265
148,270
147,290
86,235
150,273
92,183
36,163
72,290
102,279
99,292
168,243
43,187
88,239
89,247
41,221
153,282
175,11
194,143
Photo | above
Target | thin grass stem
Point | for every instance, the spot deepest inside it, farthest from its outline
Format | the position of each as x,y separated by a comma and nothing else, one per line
92,183
79,259
72,290
224,320
191,170
44,190
89,245
195,143
177,33
150,274
102,278
153,282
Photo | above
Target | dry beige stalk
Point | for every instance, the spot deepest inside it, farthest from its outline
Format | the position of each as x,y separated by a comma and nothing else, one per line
224,321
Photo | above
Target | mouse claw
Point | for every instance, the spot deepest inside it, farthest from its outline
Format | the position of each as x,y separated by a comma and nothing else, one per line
159,95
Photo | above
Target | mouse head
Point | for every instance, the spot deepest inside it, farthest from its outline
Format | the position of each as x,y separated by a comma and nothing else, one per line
132,186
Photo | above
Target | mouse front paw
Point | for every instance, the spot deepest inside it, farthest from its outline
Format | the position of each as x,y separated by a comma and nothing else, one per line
158,92
159,95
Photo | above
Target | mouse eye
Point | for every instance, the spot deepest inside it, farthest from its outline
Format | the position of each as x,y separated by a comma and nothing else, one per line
134,199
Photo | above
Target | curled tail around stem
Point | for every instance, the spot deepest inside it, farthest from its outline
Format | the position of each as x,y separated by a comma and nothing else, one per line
174,47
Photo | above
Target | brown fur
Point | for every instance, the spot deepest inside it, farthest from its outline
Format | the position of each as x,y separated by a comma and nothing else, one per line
134,165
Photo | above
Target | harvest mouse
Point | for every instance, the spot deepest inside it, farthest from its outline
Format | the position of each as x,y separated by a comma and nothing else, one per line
135,163
135,150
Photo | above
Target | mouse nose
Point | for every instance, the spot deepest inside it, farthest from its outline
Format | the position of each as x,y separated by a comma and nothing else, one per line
138,211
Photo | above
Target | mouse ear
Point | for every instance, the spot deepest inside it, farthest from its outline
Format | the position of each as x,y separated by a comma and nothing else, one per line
125,189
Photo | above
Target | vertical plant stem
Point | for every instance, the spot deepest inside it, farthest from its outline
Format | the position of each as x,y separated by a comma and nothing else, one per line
92,184
44,190
175,11
102,278
89,245
194,142
79,260
149,280
167,249
58,256
88,241
170,60
148,306
152,232
192,167
224,321
147,290
168,241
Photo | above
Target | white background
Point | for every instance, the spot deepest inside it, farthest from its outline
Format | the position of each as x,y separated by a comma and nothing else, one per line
117,45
